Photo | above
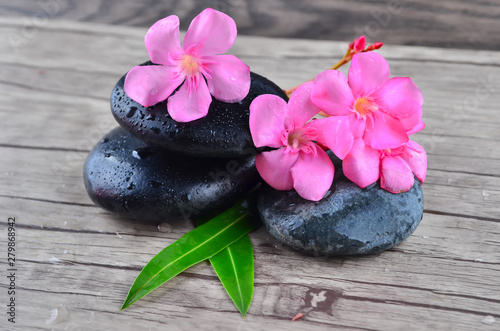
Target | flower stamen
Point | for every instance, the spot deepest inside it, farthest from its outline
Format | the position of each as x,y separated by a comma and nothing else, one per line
298,139
365,107
190,65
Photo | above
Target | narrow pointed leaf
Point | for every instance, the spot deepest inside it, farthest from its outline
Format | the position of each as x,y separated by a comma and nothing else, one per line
195,246
235,268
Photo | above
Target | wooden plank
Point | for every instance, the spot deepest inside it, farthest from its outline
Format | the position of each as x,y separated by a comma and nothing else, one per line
60,180
438,232
447,23
55,107
92,265
82,84
65,113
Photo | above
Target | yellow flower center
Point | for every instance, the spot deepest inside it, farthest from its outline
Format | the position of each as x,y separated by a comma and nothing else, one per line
190,65
365,107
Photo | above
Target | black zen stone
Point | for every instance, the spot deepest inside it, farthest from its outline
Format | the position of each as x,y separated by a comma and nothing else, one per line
347,221
124,175
224,132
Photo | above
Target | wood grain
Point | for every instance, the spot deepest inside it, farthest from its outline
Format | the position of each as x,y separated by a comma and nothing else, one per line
81,260
445,23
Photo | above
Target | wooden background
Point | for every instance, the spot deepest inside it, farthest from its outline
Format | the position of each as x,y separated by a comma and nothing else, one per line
76,262
443,23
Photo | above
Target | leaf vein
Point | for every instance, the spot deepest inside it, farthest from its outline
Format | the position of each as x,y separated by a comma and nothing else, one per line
190,251
236,276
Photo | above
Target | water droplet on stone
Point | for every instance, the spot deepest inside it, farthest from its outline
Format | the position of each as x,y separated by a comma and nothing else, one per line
144,152
154,183
125,206
131,112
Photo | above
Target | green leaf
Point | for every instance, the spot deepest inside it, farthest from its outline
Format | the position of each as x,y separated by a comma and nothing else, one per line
234,266
195,246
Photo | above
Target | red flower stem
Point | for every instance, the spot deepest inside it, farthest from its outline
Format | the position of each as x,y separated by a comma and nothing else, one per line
346,59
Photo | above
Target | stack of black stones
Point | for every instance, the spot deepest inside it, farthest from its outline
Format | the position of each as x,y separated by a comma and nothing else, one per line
153,168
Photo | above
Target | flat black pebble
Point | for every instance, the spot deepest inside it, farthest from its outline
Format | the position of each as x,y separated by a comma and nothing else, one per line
224,132
348,221
124,175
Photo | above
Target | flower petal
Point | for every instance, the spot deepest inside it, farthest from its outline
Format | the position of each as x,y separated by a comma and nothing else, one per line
383,131
300,109
332,94
149,85
187,106
358,125
162,40
274,167
418,127
212,31
228,79
413,123
335,133
267,116
416,157
358,45
399,97
313,175
396,176
368,72
362,164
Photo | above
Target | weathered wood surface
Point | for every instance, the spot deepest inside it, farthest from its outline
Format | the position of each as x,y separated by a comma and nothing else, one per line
444,23
79,261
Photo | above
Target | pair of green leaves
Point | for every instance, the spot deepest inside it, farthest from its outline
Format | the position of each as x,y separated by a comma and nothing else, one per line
224,240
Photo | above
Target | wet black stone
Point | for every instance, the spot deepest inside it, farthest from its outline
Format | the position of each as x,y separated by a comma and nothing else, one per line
124,175
224,132
348,221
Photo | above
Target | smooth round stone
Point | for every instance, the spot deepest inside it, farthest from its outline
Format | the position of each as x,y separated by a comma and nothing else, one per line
224,132
124,175
348,221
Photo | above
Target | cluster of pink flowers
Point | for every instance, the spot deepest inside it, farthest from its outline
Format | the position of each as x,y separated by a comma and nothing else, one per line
370,117
370,120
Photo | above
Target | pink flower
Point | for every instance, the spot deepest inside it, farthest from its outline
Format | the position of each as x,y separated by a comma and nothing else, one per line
358,45
374,46
395,167
297,162
194,67
380,110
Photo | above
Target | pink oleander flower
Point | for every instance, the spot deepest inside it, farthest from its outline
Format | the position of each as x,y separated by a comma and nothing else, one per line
358,45
297,162
195,66
395,167
380,110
